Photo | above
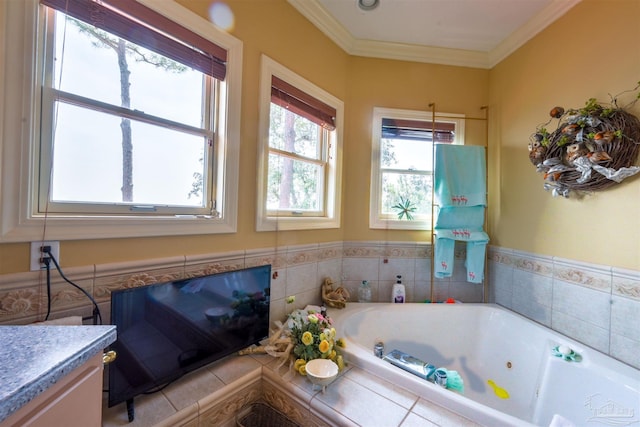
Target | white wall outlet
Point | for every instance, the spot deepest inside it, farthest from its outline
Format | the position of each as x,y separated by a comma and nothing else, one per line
36,254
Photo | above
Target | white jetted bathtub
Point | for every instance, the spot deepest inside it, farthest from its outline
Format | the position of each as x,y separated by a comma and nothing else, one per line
511,374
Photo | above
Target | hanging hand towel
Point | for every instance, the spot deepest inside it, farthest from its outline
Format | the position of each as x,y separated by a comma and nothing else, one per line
463,234
475,261
460,175
443,256
444,252
471,217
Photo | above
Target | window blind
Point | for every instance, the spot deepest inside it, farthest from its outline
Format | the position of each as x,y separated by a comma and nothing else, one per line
417,129
292,98
138,24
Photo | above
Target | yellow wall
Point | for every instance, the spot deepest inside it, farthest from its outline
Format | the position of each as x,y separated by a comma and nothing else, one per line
404,85
272,27
591,52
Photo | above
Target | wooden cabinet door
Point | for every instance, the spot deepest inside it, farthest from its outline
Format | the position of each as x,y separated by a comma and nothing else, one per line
74,401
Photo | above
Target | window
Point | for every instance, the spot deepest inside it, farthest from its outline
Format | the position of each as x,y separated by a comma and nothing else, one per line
299,166
402,165
133,121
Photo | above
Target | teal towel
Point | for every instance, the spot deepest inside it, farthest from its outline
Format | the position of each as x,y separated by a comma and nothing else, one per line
475,261
463,234
471,217
460,175
445,248
443,256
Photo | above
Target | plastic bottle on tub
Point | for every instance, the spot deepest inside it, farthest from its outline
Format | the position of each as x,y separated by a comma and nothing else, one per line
398,293
364,292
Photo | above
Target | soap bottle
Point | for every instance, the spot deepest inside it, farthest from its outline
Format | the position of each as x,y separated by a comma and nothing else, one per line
364,292
398,293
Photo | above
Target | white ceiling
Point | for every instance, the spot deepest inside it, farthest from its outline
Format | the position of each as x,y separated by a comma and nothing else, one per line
473,33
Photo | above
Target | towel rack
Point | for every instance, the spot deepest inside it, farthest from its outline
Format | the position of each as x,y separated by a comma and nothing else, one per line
485,119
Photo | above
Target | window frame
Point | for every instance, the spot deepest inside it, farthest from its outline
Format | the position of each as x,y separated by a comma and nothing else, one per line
376,219
51,95
20,219
290,220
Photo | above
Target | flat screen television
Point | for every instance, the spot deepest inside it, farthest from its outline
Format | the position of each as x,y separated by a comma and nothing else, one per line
166,330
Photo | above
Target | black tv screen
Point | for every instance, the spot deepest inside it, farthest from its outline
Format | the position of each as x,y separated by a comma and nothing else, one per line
166,330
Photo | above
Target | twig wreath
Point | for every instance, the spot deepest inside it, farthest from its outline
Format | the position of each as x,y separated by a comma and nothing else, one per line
593,148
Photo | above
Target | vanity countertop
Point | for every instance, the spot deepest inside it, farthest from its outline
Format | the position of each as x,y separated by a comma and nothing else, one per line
32,358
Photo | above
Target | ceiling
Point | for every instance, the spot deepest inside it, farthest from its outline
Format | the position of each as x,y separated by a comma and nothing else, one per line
473,33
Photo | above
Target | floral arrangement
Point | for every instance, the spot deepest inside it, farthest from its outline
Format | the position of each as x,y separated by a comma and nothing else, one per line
592,148
307,334
313,337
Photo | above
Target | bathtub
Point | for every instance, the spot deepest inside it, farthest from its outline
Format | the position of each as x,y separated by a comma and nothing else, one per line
486,343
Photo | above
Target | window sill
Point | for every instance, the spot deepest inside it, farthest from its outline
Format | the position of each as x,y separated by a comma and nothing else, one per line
113,227
300,223
389,224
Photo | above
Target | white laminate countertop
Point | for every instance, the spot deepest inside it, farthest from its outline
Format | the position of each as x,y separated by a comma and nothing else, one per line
32,358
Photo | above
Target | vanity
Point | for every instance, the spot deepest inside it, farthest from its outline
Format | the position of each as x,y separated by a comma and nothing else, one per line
52,375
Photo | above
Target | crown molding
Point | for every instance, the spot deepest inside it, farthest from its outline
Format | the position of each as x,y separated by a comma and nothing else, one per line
318,16
417,53
542,20
325,22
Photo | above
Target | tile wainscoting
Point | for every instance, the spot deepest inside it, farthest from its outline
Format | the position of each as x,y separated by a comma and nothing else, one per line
597,305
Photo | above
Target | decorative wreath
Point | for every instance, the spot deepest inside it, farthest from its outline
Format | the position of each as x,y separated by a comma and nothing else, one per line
593,148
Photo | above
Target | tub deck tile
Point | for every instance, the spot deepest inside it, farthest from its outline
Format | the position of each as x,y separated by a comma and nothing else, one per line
150,410
440,416
360,404
414,420
398,395
355,398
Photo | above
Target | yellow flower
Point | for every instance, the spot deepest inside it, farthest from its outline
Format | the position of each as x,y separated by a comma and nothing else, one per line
307,338
302,370
333,355
298,363
313,318
341,343
324,346
340,363
290,299
323,336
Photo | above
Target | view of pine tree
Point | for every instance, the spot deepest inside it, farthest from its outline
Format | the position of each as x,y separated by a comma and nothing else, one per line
287,197
124,50
293,162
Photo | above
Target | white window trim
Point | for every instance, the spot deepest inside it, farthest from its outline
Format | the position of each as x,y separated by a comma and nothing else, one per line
265,222
19,119
375,222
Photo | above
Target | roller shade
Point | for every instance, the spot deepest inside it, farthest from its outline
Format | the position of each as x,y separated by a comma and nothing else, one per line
293,99
145,27
418,129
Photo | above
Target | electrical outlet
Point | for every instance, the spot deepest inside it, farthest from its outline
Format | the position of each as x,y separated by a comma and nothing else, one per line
36,254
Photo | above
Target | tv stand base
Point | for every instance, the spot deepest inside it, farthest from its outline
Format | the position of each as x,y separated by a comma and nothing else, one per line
130,410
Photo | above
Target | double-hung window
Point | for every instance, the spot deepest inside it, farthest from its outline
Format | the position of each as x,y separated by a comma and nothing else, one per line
402,165
131,119
299,165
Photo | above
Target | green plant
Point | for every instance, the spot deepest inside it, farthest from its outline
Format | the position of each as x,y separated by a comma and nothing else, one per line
405,208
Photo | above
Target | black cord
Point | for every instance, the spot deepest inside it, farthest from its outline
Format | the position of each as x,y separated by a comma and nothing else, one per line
47,263
96,310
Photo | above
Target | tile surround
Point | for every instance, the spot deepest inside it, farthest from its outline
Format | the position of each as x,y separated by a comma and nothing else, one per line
594,304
